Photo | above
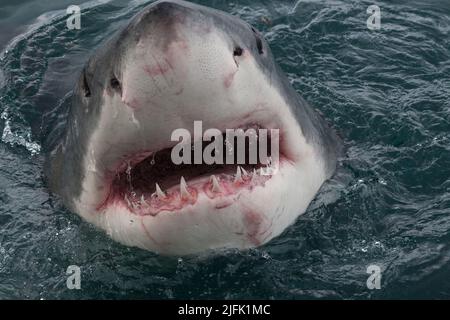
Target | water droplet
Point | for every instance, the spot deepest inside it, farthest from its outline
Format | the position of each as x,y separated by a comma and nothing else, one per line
128,172
152,162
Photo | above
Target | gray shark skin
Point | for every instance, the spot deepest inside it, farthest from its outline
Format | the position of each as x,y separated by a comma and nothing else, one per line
175,63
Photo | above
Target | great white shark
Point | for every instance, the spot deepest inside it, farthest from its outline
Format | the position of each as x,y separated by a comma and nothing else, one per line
176,63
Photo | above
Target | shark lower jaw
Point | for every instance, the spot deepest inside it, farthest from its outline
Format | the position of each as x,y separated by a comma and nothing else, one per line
243,215
149,183
192,209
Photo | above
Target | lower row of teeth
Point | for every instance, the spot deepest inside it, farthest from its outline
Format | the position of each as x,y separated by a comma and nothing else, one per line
239,177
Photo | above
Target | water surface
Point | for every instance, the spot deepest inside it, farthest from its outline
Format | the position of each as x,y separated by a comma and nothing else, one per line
387,92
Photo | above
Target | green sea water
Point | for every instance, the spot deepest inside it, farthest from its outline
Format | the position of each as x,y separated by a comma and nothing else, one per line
386,91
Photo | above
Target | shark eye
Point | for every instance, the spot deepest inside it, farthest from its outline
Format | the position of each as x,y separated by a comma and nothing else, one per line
85,86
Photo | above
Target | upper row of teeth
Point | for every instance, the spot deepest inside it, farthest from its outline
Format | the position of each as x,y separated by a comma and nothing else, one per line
215,185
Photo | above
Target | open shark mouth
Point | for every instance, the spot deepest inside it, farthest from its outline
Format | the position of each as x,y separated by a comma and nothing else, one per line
149,183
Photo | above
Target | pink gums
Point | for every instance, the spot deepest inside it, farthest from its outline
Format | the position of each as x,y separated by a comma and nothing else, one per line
127,161
173,201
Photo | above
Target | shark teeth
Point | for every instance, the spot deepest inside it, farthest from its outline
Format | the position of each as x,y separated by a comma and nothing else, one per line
128,201
215,185
218,185
238,177
143,202
158,193
184,189
254,175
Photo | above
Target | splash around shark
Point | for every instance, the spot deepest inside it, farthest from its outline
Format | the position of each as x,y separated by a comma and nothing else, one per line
173,64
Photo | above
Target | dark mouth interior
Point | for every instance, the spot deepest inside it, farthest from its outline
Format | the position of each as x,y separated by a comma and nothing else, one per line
159,168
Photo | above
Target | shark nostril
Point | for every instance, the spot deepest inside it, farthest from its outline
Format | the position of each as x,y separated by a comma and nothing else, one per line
115,84
238,51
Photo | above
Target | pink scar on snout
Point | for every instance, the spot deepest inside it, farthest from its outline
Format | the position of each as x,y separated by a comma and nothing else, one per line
229,79
156,70
133,103
174,50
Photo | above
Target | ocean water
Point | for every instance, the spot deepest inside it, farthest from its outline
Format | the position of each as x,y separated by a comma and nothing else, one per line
386,91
